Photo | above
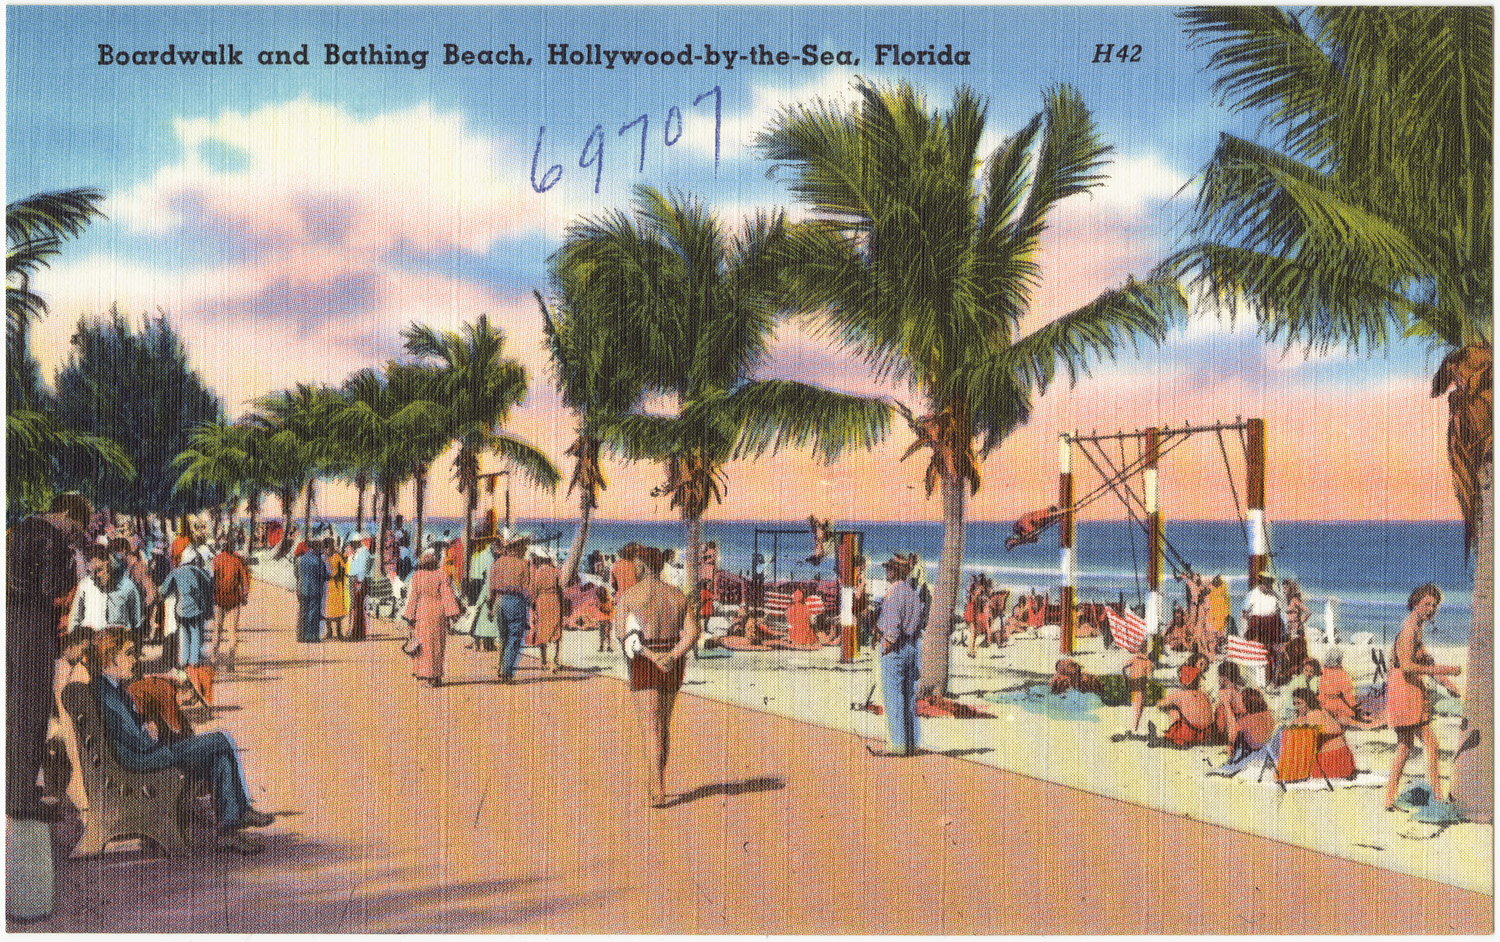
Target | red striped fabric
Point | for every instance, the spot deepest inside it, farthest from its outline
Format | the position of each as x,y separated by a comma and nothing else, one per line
1245,651
1129,629
776,603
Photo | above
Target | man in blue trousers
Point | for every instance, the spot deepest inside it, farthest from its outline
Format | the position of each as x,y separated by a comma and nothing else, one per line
312,581
902,614
212,757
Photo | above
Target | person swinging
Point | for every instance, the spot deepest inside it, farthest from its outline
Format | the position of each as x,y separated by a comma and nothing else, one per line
1029,528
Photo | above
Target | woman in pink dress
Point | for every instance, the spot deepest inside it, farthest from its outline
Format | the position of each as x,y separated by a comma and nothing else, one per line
1408,710
430,606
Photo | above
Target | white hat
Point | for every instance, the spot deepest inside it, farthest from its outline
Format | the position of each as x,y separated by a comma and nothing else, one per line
541,552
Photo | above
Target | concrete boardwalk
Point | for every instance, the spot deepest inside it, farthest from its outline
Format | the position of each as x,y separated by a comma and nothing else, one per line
482,808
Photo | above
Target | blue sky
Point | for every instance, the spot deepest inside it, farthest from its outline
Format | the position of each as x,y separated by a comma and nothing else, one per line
291,219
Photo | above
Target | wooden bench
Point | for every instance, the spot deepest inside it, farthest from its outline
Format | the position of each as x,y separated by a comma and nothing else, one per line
124,804
382,593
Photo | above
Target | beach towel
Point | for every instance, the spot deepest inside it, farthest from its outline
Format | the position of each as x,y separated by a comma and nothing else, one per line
1246,652
1129,629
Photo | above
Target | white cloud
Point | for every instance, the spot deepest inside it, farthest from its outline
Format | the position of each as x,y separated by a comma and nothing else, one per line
302,170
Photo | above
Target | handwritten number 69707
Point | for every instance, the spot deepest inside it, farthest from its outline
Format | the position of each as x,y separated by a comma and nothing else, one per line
592,154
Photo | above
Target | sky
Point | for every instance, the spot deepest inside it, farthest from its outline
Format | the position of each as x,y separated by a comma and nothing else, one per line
290,219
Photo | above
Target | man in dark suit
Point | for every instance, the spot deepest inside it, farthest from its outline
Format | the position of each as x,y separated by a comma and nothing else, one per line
211,756
39,573
312,582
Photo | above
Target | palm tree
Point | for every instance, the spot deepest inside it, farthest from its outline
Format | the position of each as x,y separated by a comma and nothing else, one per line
388,422
698,307
1373,218
480,386
35,228
220,456
927,272
298,419
595,382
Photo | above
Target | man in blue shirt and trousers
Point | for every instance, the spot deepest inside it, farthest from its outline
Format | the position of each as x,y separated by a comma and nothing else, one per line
900,625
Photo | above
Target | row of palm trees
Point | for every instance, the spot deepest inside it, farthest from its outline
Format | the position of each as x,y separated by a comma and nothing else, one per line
378,430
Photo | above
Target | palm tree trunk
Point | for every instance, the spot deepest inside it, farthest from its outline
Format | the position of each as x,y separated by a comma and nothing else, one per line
288,498
361,485
385,528
694,553
307,502
1472,788
935,646
252,507
471,505
419,498
581,538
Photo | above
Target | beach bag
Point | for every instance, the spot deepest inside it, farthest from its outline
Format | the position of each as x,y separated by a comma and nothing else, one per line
1299,750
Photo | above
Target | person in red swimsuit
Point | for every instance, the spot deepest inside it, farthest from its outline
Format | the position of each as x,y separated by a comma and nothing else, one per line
1192,713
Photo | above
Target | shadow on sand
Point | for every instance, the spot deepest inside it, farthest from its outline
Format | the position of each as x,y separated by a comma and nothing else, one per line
746,787
292,886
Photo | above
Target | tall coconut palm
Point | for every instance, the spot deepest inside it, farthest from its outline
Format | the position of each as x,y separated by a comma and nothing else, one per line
301,416
35,228
922,257
1369,217
389,420
222,456
696,305
480,386
595,381
425,439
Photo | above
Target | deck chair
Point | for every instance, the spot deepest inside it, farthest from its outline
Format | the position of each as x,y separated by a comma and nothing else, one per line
1292,755
382,593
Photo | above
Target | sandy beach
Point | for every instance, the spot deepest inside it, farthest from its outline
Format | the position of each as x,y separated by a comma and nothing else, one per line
482,808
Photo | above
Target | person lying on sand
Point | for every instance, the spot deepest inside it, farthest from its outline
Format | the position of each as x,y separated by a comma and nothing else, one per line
1070,675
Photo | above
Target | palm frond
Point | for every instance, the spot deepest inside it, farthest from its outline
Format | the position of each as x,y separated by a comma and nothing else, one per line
772,414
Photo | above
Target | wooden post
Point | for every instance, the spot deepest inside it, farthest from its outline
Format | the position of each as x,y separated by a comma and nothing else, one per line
1255,498
1154,525
1068,562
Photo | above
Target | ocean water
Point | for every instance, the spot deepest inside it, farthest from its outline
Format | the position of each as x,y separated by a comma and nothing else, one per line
1369,568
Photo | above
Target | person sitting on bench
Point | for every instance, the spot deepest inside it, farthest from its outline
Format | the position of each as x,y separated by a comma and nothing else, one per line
211,756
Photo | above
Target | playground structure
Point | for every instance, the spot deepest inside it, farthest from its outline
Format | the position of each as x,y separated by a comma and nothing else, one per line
1144,507
487,528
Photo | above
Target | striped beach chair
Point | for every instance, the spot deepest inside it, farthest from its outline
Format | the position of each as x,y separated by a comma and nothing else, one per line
1128,628
1245,652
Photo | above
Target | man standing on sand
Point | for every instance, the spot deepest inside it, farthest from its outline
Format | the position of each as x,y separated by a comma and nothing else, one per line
39,572
1263,623
900,627
312,579
361,569
510,600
